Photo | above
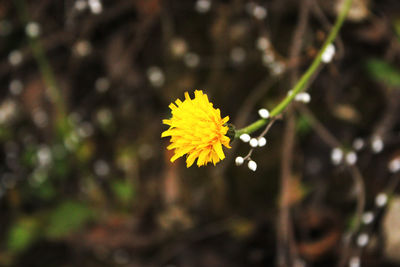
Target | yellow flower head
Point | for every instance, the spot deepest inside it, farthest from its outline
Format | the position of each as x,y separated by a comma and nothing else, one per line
196,129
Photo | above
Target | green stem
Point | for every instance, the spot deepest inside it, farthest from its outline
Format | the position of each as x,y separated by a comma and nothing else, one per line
300,85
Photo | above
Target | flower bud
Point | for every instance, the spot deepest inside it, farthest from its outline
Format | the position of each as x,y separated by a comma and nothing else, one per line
264,113
262,141
239,161
252,165
253,142
245,138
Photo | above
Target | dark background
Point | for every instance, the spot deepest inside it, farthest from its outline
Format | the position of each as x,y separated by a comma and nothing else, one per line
85,178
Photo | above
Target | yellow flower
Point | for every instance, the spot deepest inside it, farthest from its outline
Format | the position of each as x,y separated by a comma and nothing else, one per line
197,129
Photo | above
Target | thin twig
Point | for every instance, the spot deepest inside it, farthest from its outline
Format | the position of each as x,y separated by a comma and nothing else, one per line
248,154
266,130
256,94
318,127
269,125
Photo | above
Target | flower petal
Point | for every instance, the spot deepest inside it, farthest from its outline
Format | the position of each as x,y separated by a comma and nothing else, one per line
218,149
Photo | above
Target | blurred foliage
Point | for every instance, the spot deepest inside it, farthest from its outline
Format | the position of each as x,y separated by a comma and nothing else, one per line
384,72
92,185
396,24
22,234
124,191
67,217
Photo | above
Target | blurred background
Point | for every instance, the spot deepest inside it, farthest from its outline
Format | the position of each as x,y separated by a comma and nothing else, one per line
85,178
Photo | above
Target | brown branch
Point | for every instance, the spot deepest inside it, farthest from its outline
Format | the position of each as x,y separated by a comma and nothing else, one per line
285,232
286,248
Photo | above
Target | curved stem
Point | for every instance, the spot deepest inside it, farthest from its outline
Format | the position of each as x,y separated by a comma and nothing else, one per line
300,85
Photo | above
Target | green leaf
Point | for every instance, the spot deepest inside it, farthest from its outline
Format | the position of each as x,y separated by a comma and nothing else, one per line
22,234
123,190
68,217
384,72
396,26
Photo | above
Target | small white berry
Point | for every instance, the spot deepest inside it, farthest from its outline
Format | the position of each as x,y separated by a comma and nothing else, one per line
15,57
354,262
358,144
268,58
263,43
328,54
253,142
101,168
362,239
80,5
351,158
238,55
367,217
191,59
336,156
262,141
252,165
303,97
16,87
306,97
156,76
377,144
32,29
277,67
102,84
381,200
264,113
260,12
203,6
239,161
394,165
245,138
95,6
